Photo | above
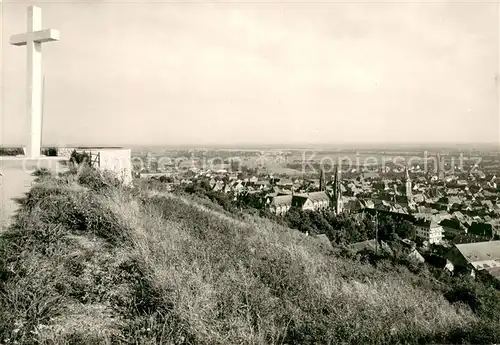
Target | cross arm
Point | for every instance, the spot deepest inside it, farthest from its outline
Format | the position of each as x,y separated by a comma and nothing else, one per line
41,36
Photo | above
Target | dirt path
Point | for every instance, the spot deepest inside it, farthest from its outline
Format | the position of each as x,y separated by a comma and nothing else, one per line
16,180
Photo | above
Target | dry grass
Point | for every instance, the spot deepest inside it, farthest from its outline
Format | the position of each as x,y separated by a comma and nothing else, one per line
87,265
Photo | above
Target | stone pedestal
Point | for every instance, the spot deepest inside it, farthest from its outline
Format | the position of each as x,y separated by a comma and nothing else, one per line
16,180
115,159
119,161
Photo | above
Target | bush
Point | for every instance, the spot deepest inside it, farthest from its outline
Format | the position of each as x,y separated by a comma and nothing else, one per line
78,158
50,152
4,151
97,180
483,300
79,210
41,173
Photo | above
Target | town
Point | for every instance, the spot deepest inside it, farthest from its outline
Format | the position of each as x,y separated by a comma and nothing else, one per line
451,205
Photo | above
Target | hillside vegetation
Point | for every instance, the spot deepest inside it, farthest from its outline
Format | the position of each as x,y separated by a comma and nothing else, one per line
91,262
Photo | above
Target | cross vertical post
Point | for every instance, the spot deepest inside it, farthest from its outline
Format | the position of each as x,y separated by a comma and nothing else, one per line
34,83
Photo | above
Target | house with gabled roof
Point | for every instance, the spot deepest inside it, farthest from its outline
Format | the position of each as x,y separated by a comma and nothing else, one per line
212,183
285,182
473,257
352,204
280,204
439,261
373,245
314,201
218,186
263,184
367,203
482,230
487,204
428,230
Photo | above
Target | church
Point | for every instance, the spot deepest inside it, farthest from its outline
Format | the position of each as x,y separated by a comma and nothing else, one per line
311,201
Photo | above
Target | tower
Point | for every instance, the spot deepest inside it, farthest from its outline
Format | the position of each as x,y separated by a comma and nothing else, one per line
321,179
408,192
337,193
440,168
438,164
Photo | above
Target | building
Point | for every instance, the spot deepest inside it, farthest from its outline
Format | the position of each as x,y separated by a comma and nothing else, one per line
415,256
408,190
439,262
372,245
428,230
479,256
440,168
315,201
337,193
321,180
483,230
285,183
116,160
280,204
352,204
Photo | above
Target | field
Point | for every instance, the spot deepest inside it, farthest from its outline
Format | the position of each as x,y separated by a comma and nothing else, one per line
295,161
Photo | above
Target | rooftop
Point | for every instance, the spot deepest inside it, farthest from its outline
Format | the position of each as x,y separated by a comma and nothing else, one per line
314,196
480,251
282,200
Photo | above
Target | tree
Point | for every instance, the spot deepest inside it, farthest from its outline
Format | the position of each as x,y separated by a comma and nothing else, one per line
78,158
50,152
165,179
392,227
298,219
250,200
235,165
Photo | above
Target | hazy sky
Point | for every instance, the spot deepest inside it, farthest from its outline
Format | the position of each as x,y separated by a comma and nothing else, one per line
243,72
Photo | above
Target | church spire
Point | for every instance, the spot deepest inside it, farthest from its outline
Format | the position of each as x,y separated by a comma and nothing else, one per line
440,168
338,192
321,179
408,193
407,175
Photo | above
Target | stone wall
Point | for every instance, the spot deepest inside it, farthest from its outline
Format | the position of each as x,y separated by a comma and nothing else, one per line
117,160
64,151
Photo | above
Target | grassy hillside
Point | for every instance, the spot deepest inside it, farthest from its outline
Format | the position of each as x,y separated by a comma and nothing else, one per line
91,262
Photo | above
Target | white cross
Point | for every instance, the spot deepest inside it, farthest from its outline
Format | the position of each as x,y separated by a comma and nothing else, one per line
33,39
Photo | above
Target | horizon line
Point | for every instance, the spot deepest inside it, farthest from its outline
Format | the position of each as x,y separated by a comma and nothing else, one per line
350,144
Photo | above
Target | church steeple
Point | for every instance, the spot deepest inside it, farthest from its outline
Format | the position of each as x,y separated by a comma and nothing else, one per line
337,193
321,179
408,193
440,168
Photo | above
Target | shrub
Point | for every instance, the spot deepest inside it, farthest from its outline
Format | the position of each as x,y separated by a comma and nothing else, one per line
50,152
78,158
5,151
41,173
76,209
97,180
